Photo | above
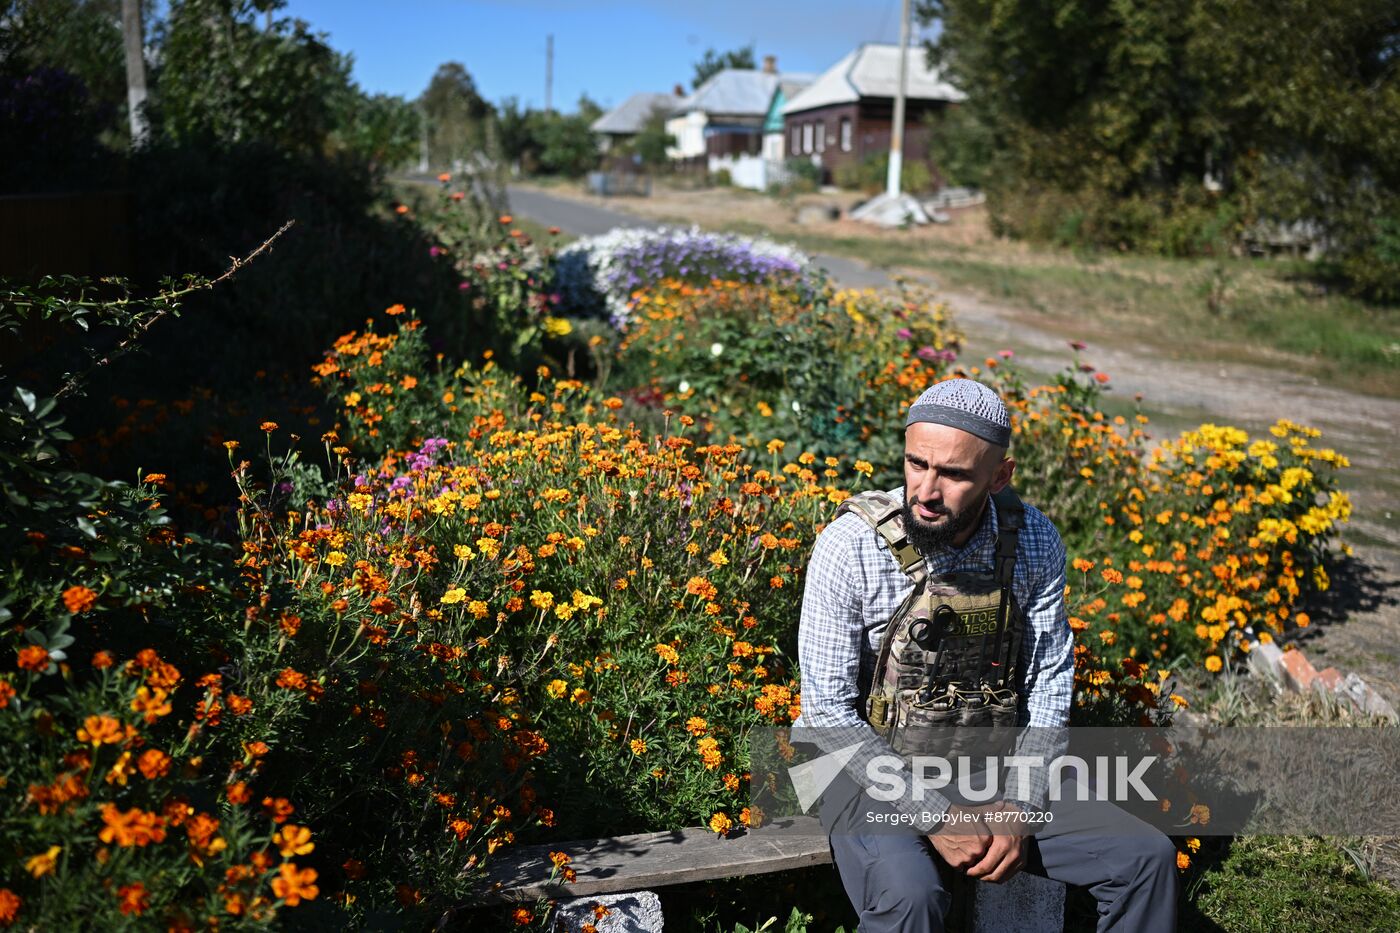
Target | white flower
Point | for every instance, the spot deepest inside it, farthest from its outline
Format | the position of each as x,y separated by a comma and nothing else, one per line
716,349
683,388
796,406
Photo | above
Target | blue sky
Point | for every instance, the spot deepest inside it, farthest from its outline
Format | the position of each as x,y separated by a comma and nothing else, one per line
608,49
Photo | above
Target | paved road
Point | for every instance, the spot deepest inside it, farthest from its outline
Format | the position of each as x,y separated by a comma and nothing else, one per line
582,219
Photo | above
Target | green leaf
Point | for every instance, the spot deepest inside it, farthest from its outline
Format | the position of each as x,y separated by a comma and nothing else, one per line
26,397
87,527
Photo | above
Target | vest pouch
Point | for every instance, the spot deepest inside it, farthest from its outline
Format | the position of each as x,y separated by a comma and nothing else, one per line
975,722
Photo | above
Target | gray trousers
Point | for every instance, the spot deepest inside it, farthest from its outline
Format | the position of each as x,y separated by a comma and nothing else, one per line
893,881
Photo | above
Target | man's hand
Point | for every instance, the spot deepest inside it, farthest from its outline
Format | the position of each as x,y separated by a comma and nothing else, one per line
1006,851
963,841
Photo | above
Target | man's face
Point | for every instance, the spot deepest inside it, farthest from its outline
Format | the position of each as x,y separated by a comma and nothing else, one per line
948,475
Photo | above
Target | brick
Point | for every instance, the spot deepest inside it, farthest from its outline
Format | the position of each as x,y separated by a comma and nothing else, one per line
1298,672
1328,680
1365,698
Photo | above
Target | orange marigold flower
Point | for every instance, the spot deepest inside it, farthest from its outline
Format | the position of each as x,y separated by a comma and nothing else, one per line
101,730
6,692
239,705
78,599
102,660
506,219
291,679
237,793
394,310
256,749
292,839
153,764
295,885
134,899
268,426
721,823
1183,861
522,916
33,658
401,209
10,903
135,827
152,704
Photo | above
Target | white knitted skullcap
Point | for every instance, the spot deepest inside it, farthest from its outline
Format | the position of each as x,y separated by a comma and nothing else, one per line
966,405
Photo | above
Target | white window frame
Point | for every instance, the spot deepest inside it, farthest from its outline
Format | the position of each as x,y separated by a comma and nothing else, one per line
846,134
821,136
807,137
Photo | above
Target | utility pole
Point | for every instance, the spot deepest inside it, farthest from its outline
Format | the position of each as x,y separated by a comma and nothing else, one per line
134,40
897,126
548,71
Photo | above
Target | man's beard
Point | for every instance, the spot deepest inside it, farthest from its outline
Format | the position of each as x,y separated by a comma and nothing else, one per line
931,540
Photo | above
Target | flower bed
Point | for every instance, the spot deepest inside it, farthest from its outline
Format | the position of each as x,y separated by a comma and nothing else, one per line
598,275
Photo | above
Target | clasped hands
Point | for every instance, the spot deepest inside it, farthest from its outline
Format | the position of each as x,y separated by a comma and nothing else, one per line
967,845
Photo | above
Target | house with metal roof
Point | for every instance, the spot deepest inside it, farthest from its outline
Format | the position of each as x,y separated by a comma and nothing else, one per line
630,117
725,115
774,137
847,113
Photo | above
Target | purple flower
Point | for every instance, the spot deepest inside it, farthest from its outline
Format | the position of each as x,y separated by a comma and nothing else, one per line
905,333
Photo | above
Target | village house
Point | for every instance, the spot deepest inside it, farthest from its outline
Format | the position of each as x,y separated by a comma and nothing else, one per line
726,115
629,118
847,113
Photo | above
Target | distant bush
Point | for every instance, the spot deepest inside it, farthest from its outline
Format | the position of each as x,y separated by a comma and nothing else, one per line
871,174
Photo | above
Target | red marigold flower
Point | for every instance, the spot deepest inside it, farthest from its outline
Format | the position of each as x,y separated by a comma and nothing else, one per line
134,898
33,658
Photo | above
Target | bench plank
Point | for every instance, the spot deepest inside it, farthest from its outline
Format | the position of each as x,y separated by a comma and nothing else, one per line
651,860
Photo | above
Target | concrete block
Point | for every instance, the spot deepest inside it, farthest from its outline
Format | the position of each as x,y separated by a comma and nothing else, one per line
1298,672
1365,698
1025,904
634,912
1265,658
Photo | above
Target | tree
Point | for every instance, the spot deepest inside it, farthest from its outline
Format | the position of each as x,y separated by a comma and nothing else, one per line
456,115
134,42
226,79
381,129
651,143
715,62
567,144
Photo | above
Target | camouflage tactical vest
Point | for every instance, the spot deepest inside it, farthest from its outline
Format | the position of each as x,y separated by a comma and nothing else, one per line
948,656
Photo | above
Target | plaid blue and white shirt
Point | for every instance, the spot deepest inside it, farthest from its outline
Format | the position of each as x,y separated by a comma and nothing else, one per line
853,588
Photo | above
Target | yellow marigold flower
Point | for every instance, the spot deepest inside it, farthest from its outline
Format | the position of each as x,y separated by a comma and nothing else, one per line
292,839
775,446
717,558
478,609
100,730
358,501
696,725
557,688
1214,664
463,552
453,596
564,611
721,823
580,696
638,746
668,654
542,599
1200,814
865,467
41,865
335,558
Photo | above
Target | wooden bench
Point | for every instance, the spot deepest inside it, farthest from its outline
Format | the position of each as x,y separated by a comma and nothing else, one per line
632,866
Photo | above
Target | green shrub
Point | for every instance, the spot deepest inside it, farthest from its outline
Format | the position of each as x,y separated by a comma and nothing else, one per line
870,175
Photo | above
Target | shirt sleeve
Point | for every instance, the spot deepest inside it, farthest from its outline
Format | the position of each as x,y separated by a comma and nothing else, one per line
829,644
1047,657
